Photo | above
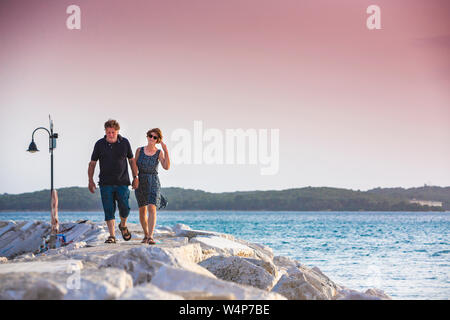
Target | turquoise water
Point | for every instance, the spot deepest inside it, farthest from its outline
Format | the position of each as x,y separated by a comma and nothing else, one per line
406,254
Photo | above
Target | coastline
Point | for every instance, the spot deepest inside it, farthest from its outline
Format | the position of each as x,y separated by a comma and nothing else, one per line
212,265
321,199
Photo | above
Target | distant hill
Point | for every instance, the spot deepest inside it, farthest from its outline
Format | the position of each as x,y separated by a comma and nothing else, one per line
299,199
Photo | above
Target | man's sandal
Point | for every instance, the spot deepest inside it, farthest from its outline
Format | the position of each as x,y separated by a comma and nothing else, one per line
111,239
126,235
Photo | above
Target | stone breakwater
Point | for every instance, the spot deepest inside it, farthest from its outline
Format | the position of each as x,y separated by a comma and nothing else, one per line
185,264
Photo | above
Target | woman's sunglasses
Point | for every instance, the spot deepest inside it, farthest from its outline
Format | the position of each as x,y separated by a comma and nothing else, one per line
152,136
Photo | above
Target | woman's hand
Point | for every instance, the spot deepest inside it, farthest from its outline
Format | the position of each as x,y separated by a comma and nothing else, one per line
164,158
163,146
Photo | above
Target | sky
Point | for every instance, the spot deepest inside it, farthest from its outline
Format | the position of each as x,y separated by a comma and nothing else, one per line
355,108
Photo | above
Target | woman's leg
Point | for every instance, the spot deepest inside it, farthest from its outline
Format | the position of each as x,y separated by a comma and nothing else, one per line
143,220
151,219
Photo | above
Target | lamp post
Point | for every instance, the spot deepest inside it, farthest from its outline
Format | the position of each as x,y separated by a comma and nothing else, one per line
53,195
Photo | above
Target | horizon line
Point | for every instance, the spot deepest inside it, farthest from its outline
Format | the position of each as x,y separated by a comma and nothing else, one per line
357,190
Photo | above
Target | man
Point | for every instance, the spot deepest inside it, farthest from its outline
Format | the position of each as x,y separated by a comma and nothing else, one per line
112,151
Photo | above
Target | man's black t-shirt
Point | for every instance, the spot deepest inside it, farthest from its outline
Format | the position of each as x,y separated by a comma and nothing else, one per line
113,160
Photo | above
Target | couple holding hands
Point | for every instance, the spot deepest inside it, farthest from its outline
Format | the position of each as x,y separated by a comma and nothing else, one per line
112,151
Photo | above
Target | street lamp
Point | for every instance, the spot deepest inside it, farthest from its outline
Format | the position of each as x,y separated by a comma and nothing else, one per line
52,145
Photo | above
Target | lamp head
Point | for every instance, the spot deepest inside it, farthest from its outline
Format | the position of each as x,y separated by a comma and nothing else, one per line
32,148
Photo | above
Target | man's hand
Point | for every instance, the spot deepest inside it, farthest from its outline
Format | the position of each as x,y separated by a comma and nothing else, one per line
91,169
92,186
135,183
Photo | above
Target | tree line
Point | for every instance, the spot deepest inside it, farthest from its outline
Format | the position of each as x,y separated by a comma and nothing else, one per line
298,199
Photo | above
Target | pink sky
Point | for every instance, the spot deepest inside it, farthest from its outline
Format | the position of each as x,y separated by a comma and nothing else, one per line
356,108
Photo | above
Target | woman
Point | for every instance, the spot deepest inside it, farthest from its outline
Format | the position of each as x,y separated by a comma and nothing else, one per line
148,193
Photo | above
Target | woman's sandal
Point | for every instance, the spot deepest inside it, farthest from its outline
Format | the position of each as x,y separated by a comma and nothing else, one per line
126,235
151,241
111,239
144,240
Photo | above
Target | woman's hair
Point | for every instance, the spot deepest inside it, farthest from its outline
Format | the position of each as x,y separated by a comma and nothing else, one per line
112,124
158,133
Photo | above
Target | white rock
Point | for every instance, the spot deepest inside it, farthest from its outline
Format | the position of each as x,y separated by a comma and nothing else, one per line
6,226
189,252
40,266
267,265
173,241
178,280
297,288
86,231
305,284
369,294
377,293
100,284
165,228
315,270
26,226
142,262
148,291
78,232
200,295
176,266
24,257
45,289
15,241
76,245
27,236
179,227
182,230
223,246
64,250
163,232
283,262
17,286
82,284
261,251
240,270
137,262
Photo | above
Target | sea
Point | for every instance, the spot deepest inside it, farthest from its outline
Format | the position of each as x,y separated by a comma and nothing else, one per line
405,254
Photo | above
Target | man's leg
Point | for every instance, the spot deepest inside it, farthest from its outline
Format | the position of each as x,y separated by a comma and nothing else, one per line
122,196
111,227
109,207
